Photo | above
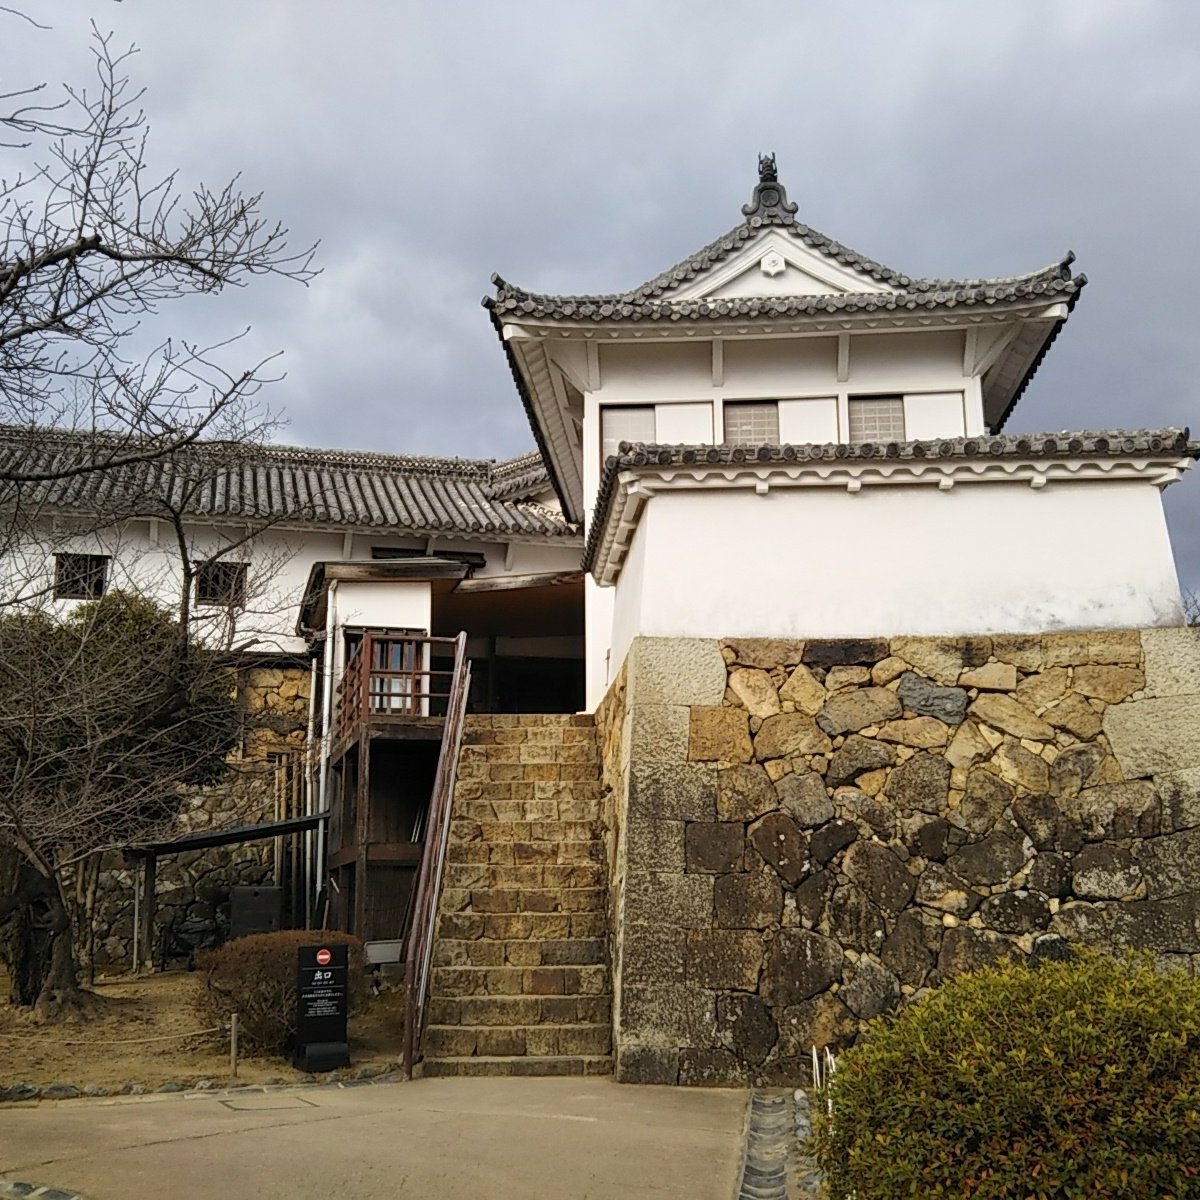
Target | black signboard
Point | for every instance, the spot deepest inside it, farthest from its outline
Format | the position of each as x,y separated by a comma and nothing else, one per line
322,1003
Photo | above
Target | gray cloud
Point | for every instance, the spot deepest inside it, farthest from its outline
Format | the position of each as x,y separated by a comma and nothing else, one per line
586,146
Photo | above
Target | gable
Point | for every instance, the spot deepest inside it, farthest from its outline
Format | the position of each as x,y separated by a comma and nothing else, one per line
776,263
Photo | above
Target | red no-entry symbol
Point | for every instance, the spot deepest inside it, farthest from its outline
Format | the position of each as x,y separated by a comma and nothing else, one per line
323,957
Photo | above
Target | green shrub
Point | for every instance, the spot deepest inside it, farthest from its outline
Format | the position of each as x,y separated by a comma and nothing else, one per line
255,977
1073,1079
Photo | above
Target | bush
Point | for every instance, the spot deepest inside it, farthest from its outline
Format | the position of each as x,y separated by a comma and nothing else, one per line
1073,1079
255,976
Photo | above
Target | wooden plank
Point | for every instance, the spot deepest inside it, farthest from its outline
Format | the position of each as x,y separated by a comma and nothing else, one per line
394,853
506,583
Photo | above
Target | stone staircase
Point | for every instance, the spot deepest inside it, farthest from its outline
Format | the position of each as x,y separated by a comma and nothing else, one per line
520,982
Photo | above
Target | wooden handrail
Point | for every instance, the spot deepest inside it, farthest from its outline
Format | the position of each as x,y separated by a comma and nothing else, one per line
422,930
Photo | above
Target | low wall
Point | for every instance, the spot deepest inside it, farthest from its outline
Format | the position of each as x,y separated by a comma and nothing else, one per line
812,832
195,886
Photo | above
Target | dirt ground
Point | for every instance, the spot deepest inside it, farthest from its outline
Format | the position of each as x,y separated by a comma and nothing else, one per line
117,1047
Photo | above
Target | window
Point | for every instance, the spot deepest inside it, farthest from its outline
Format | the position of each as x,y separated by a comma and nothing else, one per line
80,576
754,424
877,419
624,424
221,583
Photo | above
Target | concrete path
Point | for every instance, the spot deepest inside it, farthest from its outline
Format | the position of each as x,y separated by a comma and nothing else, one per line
475,1139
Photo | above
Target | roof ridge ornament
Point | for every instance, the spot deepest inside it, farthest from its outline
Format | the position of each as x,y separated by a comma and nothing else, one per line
769,204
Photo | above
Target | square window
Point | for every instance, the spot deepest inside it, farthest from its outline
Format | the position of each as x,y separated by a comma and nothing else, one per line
80,576
624,423
877,419
221,583
754,424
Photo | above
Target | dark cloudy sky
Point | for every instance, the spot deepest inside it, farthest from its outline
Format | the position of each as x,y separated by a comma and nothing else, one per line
584,146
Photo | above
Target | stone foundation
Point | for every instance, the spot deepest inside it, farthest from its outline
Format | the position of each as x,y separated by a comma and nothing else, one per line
195,885
808,833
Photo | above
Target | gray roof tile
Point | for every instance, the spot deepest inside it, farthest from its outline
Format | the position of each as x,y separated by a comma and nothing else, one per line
1103,443
294,485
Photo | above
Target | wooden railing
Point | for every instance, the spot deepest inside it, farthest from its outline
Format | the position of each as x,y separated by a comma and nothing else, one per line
389,675
422,930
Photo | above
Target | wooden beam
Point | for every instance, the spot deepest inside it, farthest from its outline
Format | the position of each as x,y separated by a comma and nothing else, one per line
507,583
843,357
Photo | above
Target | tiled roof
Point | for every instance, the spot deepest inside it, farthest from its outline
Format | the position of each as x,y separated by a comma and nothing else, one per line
289,485
1098,444
769,208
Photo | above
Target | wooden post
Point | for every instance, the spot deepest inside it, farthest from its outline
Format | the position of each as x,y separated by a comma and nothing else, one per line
144,933
233,1044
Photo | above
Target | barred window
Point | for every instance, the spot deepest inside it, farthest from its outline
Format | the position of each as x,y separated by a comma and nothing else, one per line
80,576
221,583
877,419
755,424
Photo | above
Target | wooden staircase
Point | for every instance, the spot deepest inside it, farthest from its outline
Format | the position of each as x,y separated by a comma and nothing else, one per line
520,983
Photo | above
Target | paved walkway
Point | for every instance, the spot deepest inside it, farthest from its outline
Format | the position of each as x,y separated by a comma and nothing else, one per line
474,1139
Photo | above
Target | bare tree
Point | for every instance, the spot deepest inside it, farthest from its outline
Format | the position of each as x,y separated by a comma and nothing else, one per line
91,245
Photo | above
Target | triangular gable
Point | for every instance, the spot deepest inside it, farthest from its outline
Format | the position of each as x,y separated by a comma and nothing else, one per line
775,262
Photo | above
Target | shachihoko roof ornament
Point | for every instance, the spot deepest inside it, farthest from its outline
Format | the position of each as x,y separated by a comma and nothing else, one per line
770,196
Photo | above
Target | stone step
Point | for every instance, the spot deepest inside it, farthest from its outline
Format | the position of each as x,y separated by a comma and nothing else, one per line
554,832
465,1041
545,751
522,1065
458,982
513,1011
482,806
523,900
523,875
566,952
479,770
521,854
509,927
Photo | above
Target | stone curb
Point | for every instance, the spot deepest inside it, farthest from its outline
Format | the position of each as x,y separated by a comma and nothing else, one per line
12,1189
168,1090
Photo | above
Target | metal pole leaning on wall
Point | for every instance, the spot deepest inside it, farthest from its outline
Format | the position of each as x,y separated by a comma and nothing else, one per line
233,1044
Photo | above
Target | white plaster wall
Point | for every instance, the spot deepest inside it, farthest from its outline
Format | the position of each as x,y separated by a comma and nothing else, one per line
814,420
683,424
983,558
934,415
386,604
145,559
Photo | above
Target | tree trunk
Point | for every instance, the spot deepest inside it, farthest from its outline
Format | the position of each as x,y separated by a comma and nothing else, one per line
60,994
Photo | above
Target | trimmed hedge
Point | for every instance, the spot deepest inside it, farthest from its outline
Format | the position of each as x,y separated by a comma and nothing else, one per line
256,977
1072,1079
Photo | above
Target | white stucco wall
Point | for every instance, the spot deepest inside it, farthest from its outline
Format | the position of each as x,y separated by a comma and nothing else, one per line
145,559
814,562
390,604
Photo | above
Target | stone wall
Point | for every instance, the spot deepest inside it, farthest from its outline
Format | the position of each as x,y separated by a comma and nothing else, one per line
813,832
195,885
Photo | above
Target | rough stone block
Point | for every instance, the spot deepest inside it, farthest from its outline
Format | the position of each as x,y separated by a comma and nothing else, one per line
668,1015
1180,795
802,797
1171,865
755,690
747,901
646,1064
942,659
789,734
779,841
672,791
706,1067
869,989
804,690
880,874
822,1021
921,733
1074,714
725,959
744,792
670,899
654,845
1115,646
1037,691
1110,684
799,964
1115,810
1064,649
965,949
991,677
745,1026
1104,872
830,840
947,704
658,733
922,783
1172,661
764,652
714,846
858,756
1010,716
848,712
1024,652
652,954
1019,911
836,652
675,671
994,859
1158,736
719,734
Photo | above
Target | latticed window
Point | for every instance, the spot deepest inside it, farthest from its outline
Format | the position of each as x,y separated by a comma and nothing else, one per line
221,583
754,424
80,576
877,419
624,423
